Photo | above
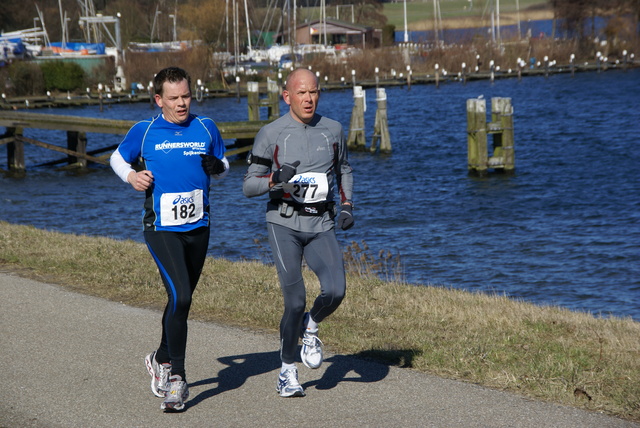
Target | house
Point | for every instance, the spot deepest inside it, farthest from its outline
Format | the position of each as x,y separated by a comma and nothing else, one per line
338,34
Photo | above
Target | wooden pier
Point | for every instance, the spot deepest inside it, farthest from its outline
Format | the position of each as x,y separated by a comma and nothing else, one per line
77,127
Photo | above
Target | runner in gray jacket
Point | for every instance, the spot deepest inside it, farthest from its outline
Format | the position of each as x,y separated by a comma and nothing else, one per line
300,160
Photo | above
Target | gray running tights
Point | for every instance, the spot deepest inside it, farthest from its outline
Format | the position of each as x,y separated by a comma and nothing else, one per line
324,257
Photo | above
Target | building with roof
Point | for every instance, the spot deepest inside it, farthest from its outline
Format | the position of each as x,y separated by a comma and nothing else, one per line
338,34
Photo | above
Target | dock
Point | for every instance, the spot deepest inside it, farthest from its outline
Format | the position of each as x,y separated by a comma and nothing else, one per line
77,128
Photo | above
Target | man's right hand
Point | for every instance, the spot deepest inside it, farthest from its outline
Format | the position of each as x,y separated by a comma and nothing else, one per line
140,181
285,173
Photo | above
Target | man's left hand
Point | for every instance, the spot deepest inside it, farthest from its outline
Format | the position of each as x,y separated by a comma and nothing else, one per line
345,219
212,165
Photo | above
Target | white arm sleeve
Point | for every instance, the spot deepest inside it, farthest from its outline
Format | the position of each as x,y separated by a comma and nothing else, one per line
120,166
226,169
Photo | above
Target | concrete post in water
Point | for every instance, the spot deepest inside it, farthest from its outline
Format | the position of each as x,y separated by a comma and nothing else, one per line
624,60
273,92
356,139
464,73
477,136
381,126
377,70
408,77
437,76
353,78
253,100
238,88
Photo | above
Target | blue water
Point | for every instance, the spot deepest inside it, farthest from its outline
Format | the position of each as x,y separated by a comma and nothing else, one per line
564,230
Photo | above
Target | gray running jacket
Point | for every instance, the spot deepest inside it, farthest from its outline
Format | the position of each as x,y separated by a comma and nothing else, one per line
321,149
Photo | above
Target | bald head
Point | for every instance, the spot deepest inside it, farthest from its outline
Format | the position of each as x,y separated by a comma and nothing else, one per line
298,74
301,93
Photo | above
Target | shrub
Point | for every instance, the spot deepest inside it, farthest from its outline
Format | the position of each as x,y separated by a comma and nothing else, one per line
62,76
24,79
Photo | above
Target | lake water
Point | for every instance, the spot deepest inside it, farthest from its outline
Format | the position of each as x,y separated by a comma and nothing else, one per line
563,230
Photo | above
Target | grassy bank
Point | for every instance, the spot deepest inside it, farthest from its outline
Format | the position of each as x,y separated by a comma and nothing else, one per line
462,13
543,352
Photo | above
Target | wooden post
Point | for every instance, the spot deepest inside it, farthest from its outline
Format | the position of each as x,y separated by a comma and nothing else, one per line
492,68
77,142
503,151
253,100
477,136
356,140
152,97
381,126
273,91
15,151
546,66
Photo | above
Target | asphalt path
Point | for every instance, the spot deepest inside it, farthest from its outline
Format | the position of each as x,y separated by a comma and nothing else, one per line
72,360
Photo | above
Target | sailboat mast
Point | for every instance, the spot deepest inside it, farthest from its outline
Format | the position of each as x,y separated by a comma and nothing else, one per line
246,15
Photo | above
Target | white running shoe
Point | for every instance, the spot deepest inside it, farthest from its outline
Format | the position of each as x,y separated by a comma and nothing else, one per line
288,385
159,375
311,352
176,395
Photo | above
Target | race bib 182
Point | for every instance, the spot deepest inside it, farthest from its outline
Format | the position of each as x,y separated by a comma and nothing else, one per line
181,208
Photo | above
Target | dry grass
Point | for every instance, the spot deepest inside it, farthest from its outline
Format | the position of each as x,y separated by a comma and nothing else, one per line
548,353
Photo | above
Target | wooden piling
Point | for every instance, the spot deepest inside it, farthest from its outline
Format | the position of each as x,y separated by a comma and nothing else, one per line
15,149
502,157
381,126
477,136
253,100
77,142
273,94
502,120
356,139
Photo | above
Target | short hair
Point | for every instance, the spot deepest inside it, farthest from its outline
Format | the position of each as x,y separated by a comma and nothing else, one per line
172,75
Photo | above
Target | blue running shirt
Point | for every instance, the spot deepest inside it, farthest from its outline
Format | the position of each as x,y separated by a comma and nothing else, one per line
178,200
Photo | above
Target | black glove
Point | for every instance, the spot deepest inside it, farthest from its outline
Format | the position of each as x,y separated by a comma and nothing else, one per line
212,165
285,173
345,219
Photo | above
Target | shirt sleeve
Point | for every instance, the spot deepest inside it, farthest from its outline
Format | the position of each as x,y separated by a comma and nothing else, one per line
344,172
256,180
217,147
121,167
129,150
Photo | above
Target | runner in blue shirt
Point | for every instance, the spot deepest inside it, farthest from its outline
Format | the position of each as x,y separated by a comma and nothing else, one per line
177,153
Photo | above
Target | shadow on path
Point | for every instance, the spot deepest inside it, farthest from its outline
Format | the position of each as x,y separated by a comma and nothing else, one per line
341,368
